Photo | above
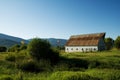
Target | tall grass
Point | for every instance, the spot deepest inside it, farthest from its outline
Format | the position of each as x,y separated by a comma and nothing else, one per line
72,66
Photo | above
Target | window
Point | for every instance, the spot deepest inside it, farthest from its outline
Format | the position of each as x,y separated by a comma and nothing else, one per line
86,49
67,49
76,48
71,48
94,49
82,49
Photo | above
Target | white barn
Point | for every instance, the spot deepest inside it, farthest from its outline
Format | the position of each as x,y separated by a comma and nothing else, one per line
86,43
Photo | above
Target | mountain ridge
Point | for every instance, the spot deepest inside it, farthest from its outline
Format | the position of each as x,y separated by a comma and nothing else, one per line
16,39
8,40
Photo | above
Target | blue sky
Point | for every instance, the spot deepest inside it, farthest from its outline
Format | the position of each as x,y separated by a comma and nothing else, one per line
59,18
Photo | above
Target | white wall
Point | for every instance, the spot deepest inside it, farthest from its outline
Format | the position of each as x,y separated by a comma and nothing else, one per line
80,48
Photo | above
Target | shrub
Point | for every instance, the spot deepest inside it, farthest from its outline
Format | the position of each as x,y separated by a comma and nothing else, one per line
10,57
29,65
6,78
53,56
117,42
38,48
93,64
41,49
78,63
23,47
14,48
45,65
3,49
19,76
61,67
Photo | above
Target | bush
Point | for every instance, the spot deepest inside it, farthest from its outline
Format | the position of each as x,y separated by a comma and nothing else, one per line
3,49
10,57
29,65
41,49
117,42
19,76
38,48
61,67
35,66
6,78
45,65
23,47
93,64
14,48
53,56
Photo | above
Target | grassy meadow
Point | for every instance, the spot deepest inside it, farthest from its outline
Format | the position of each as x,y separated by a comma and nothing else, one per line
103,65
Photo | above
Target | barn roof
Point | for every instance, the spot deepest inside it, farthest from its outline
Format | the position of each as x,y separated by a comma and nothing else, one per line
85,39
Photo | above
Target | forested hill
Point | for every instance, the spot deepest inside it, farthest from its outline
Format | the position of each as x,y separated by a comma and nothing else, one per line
55,41
8,41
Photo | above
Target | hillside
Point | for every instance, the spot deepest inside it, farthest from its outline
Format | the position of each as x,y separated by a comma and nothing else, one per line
12,38
54,41
57,42
7,40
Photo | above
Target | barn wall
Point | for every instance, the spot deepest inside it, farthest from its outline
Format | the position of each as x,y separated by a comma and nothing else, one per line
80,48
101,44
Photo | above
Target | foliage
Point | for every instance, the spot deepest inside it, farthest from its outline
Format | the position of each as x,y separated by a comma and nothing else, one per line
70,75
10,57
38,48
45,65
93,64
41,49
30,66
109,43
6,78
14,48
3,49
19,76
117,42
103,65
23,47
17,48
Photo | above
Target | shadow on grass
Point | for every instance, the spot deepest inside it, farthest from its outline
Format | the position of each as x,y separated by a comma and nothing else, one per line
73,64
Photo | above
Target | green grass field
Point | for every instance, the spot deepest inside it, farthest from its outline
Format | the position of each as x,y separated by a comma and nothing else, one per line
72,66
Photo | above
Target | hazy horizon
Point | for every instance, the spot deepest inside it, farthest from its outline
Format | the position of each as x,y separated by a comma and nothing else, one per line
59,18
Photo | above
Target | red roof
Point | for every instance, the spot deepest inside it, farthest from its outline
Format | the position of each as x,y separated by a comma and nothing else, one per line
85,39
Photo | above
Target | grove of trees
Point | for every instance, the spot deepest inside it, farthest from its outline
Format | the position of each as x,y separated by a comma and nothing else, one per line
109,42
117,42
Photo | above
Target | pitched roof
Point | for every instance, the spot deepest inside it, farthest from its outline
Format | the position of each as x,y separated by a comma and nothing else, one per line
85,39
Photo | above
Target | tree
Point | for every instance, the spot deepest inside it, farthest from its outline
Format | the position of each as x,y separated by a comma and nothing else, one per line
41,49
109,43
3,49
117,42
23,47
14,48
